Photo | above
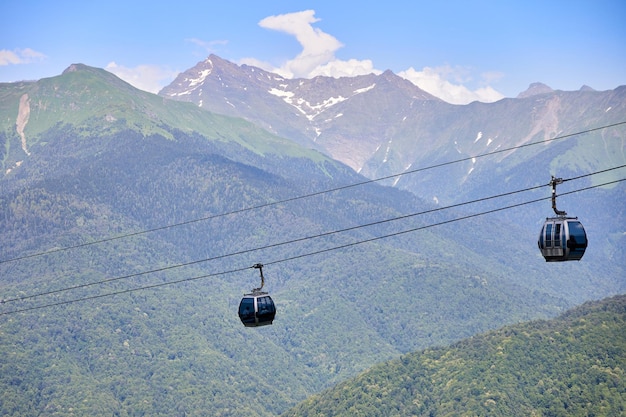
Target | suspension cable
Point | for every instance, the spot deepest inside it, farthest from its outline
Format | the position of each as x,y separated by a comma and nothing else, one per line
274,245
162,284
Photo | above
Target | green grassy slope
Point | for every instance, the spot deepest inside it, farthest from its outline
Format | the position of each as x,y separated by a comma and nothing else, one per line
94,101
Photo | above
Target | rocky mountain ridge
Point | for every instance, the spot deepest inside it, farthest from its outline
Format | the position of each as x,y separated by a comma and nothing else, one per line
299,109
383,125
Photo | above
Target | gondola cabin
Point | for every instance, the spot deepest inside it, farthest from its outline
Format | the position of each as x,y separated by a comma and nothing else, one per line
257,308
562,239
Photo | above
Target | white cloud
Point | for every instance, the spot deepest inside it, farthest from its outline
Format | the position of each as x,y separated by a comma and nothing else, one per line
349,68
151,78
19,56
318,49
436,82
318,58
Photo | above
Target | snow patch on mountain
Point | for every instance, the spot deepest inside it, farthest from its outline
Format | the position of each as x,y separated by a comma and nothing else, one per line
285,95
311,111
386,158
202,76
364,90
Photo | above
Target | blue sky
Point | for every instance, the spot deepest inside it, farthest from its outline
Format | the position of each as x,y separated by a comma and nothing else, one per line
458,50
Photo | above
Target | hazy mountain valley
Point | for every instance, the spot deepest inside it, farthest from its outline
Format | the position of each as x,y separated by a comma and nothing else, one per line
130,222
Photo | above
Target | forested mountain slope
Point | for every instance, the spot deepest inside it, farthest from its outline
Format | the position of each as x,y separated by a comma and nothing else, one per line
573,365
129,224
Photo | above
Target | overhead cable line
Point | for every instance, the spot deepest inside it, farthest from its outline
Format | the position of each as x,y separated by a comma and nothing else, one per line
469,216
273,245
179,281
263,247
287,200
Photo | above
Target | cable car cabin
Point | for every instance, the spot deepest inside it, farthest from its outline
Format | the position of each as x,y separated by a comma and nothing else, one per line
257,309
562,239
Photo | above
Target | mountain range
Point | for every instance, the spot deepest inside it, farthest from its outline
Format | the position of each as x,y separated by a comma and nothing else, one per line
130,222
389,130
383,125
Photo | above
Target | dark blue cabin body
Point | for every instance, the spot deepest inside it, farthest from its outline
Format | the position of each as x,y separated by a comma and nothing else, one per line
562,239
257,309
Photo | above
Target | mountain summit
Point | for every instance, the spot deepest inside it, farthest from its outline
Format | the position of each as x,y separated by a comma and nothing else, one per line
535,89
300,109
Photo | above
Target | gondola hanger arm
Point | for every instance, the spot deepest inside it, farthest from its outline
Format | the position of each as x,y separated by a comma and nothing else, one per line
260,268
553,182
